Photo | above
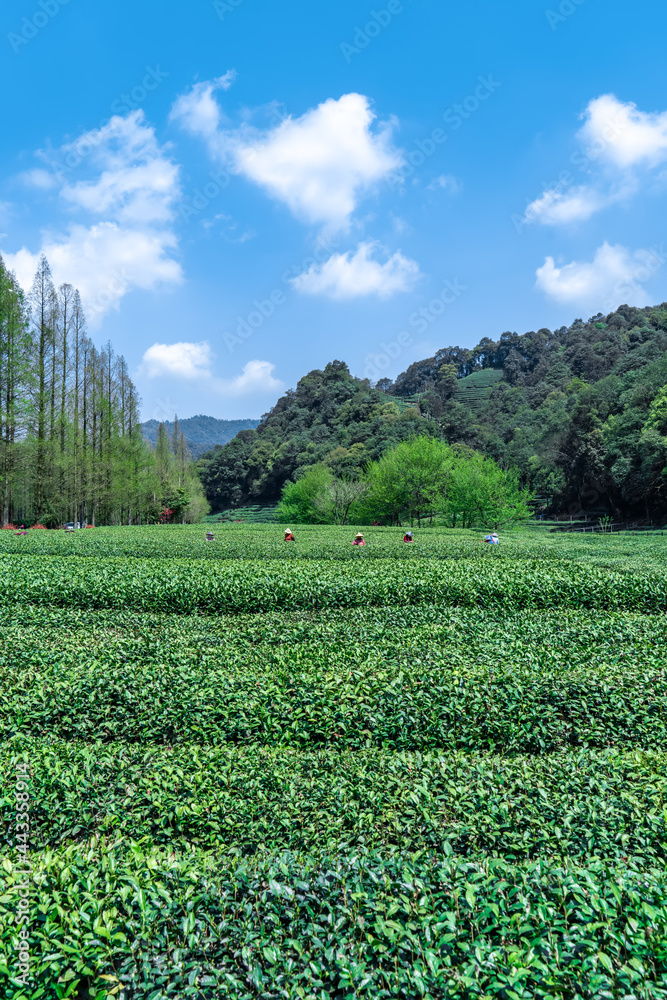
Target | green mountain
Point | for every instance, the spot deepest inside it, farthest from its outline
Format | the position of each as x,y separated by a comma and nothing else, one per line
581,412
330,416
201,433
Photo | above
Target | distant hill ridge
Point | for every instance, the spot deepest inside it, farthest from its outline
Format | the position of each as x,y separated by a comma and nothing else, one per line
201,433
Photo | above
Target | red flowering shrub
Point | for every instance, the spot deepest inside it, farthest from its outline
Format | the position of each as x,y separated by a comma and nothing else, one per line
9,527
42,527
166,515
89,525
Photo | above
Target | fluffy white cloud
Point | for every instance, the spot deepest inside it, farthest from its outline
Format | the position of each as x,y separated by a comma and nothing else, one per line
556,207
193,362
131,196
354,274
614,277
256,378
183,360
622,134
319,165
197,111
104,262
619,140
138,183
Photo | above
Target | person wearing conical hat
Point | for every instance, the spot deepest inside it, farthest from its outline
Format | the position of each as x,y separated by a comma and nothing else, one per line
358,539
289,537
407,537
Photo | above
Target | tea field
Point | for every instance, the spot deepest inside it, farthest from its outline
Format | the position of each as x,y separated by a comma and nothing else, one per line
264,770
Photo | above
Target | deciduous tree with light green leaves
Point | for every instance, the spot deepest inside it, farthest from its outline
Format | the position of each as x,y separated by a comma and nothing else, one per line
301,500
71,446
418,479
409,480
480,493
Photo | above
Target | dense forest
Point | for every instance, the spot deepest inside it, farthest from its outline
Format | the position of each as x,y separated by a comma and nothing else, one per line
580,412
201,433
330,417
71,446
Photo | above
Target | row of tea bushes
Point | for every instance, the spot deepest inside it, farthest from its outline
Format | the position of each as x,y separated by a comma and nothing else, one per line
405,697
639,553
284,927
237,586
273,778
256,542
242,800
558,639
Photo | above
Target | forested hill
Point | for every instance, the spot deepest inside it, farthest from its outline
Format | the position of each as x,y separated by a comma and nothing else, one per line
330,416
201,433
580,411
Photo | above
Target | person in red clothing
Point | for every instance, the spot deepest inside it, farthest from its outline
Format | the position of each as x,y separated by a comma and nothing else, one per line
289,537
359,539
407,537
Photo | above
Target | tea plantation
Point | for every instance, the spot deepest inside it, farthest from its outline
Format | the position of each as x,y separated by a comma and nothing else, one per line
264,770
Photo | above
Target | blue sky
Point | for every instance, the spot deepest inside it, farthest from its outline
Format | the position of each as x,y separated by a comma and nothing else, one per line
245,190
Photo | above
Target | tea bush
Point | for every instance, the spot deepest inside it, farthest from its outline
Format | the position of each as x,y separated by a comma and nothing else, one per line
247,799
272,771
181,585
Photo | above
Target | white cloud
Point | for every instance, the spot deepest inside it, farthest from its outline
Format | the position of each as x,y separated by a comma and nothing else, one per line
194,361
319,165
229,228
138,183
197,111
39,178
131,196
614,277
557,207
183,360
351,275
622,134
445,182
257,377
104,261
620,140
